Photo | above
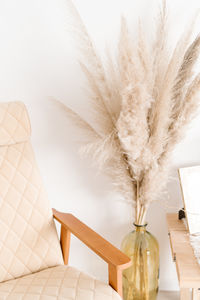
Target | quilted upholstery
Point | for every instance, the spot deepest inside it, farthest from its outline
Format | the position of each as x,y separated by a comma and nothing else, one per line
57,283
31,263
14,123
28,238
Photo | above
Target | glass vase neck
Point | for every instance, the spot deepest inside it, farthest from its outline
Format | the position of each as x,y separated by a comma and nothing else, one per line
140,228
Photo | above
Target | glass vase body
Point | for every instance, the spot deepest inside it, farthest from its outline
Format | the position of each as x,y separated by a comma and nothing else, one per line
140,281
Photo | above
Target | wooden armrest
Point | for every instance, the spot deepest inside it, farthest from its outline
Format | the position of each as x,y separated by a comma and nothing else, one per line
117,261
93,240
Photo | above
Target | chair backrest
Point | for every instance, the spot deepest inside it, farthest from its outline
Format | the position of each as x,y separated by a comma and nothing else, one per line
28,237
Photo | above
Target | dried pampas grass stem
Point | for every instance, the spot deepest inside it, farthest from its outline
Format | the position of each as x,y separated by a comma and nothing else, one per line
142,103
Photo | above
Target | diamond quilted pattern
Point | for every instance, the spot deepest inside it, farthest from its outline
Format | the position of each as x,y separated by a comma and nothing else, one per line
14,123
57,283
29,246
28,238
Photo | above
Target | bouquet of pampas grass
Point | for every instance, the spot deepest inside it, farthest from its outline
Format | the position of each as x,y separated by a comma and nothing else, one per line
142,103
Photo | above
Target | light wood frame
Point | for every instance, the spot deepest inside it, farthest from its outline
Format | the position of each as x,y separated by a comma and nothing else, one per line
187,267
116,260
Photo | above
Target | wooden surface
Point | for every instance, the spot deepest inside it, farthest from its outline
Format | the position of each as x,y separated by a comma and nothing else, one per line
115,278
185,294
195,294
174,223
65,237
117,261
94,241
188,269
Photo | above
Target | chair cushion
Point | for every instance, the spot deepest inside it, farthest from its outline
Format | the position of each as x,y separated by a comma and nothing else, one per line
28,237
57,283
14,123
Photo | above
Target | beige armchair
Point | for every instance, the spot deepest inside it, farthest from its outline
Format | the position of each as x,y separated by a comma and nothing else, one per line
33,265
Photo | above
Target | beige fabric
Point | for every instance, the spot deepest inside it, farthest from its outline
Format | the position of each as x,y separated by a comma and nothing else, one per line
14,123
28,238
58,283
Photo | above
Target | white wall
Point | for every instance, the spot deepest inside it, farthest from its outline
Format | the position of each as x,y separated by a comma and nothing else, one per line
37,60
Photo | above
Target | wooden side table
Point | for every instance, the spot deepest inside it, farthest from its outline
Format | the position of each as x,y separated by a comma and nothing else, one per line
188,269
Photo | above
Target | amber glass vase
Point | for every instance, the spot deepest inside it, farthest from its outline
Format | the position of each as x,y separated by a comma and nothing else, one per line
140,281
